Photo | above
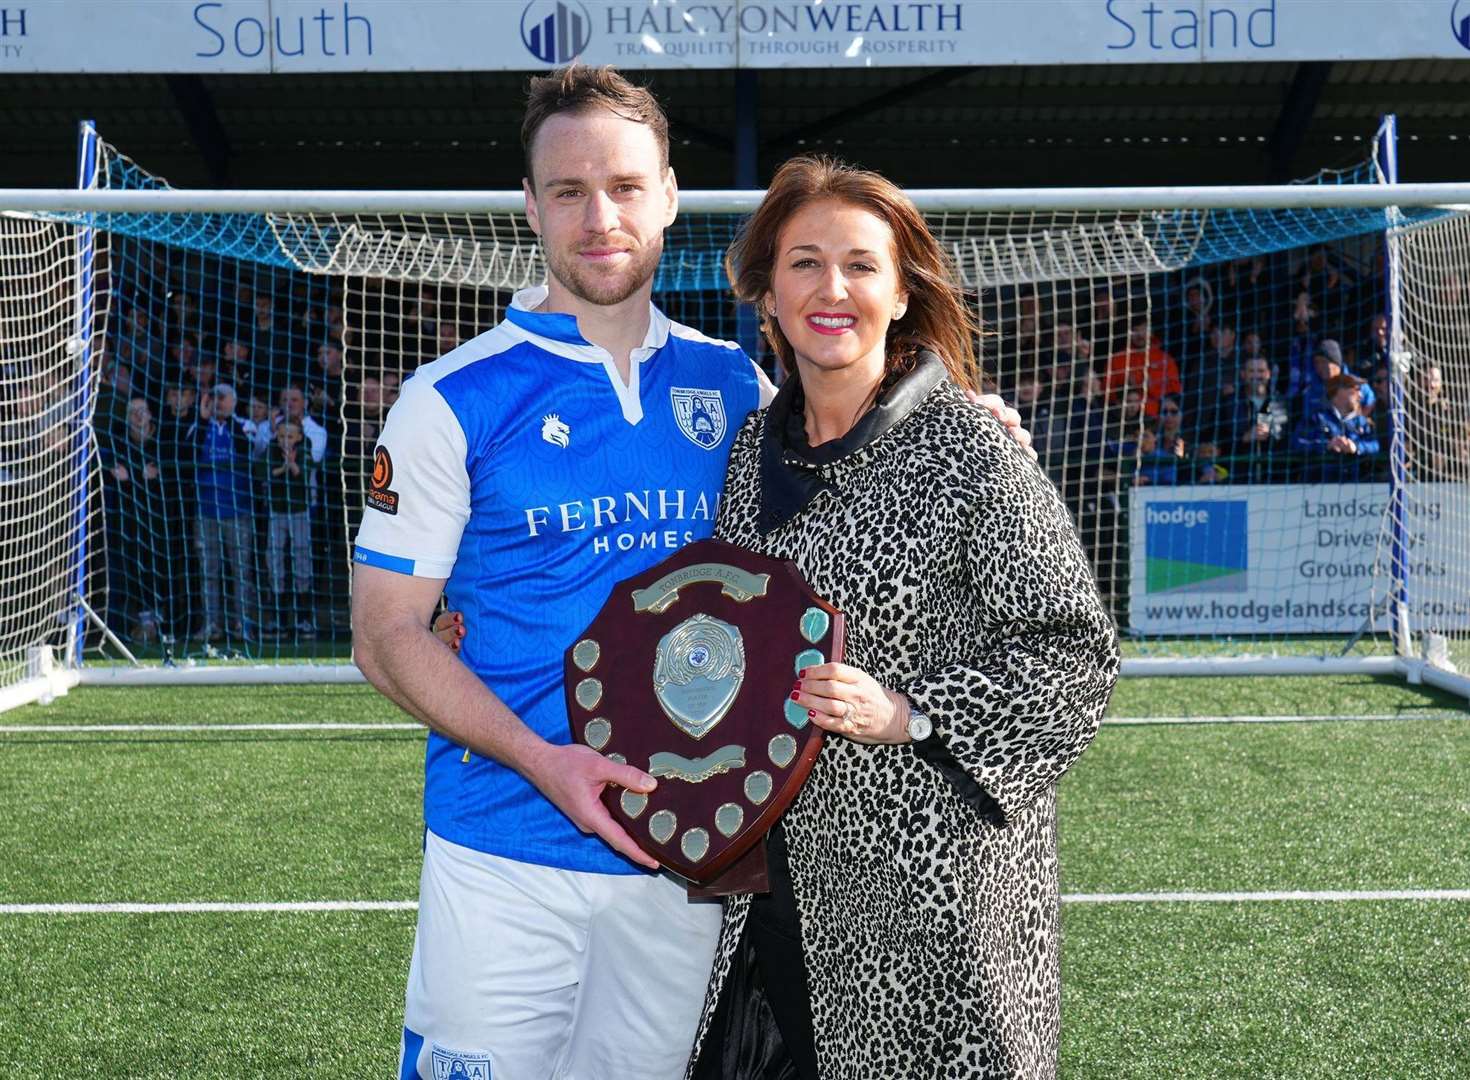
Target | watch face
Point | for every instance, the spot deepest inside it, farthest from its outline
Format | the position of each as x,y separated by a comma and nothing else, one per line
919,726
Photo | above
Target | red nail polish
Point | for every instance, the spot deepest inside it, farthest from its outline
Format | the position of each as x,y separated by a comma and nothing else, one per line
801,674
794,695
811,714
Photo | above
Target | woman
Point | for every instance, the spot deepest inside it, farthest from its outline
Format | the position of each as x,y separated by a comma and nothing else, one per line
921,874
912,925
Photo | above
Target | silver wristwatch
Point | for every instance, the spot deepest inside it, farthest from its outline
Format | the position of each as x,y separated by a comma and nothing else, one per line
919,726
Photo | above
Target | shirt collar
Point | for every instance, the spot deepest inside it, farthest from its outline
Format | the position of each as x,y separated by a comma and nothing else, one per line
562,328
793,472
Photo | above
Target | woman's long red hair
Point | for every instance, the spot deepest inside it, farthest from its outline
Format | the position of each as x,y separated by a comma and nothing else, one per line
937,317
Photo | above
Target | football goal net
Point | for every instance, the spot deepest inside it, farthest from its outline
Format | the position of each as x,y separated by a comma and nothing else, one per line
1253,400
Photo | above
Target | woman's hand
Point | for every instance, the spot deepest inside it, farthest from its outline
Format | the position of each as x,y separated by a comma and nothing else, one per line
847,701
449,628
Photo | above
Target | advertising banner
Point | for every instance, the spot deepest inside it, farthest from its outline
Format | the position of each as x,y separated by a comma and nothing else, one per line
263,36
1290,558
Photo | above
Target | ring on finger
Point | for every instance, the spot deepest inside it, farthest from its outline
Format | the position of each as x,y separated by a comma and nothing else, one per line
848,711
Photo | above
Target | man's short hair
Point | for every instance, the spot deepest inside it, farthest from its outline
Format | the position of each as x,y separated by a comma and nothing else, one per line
578,88
1340,382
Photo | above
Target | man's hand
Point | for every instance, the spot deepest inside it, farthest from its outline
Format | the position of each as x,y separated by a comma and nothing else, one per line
1007,416
573,778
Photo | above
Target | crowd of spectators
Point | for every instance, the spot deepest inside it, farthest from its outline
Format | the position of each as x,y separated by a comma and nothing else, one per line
235,439
1269,369
236,418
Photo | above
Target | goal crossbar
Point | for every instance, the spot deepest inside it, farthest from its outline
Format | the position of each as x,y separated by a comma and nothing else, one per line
1447,196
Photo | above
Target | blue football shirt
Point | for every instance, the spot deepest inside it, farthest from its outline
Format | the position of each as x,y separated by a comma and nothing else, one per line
522,469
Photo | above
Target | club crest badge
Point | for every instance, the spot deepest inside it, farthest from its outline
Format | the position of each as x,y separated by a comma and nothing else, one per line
460,1064
700,415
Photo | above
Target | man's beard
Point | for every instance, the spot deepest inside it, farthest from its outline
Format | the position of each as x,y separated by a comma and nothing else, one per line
605,290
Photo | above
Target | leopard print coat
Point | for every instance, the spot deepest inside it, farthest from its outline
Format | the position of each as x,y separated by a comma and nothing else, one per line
930,930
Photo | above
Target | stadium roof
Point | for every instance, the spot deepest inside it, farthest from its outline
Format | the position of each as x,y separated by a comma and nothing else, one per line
995,126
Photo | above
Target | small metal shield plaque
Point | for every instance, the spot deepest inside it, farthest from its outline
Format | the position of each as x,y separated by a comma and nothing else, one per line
698,671
708,641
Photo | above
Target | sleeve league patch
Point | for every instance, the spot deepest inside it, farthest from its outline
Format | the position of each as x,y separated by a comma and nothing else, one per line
379,494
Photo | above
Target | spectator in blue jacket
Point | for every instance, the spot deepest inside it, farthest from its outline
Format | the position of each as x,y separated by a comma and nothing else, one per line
224,527
1340,439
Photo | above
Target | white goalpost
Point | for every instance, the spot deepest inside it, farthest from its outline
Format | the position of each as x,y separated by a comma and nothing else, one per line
1218,557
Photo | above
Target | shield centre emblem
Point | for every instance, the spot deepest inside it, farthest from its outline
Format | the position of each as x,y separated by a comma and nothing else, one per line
697,673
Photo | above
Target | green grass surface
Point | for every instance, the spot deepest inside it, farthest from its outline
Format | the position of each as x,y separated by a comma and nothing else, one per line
1248,807
349,703
1267,991
193,996
1285,695
227,816
1356,989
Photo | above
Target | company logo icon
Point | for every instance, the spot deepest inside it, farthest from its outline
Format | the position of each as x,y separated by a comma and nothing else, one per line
556,31
1460,22
700,415
1197,546
555,432
379,495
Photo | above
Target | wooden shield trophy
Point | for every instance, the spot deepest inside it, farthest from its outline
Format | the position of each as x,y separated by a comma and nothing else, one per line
686,673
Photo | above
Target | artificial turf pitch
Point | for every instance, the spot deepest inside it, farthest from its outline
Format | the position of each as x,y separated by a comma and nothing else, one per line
1251,989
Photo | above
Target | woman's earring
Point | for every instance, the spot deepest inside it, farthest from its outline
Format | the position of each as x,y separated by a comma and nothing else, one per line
899,312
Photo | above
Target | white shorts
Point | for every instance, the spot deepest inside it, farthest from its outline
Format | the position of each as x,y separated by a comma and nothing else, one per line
525,972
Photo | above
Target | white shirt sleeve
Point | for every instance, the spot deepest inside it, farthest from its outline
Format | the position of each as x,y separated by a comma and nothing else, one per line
418,500
767,388
316,439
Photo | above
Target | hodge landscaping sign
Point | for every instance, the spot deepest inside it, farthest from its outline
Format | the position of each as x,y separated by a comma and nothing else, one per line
1288,559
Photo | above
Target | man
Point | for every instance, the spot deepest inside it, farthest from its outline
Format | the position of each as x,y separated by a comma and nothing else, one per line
224,533
1374,351
1260,417
1338,434
1035,411
1210,393
1307,387
292,408
1437,424
327,379
543,951
524,473
1145,364
235,361
1189,339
